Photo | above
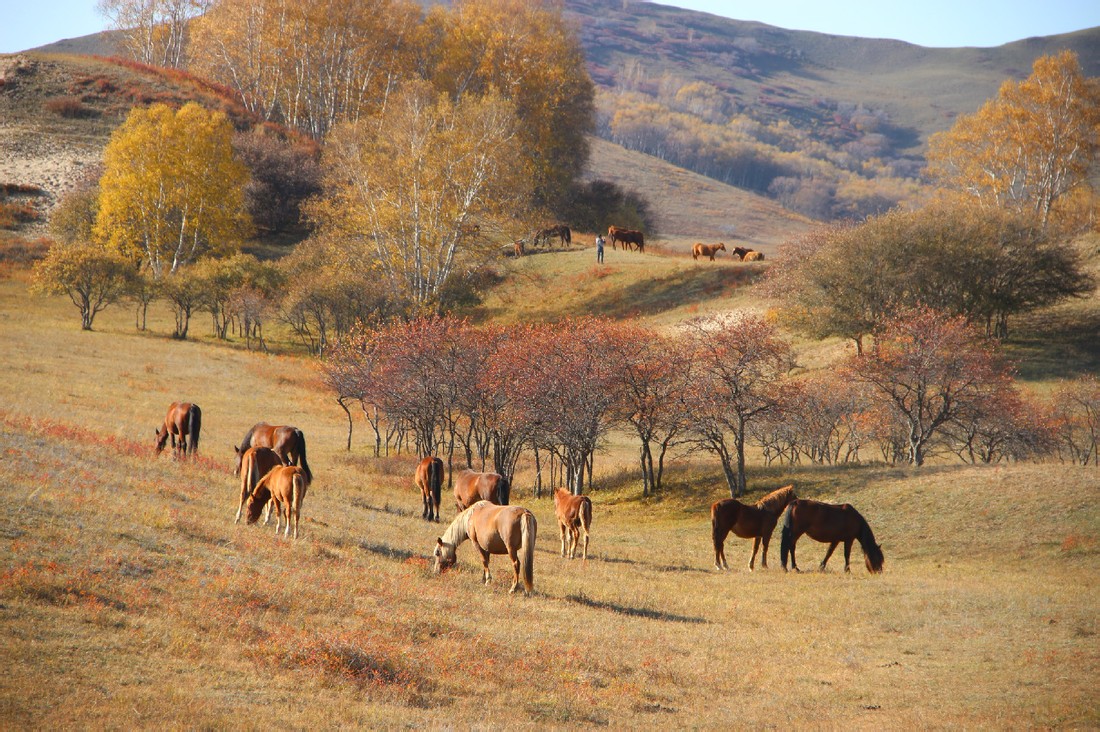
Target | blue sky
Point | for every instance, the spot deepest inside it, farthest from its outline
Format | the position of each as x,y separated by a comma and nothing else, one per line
942,23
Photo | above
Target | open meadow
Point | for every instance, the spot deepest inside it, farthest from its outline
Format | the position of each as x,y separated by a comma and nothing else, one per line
129,599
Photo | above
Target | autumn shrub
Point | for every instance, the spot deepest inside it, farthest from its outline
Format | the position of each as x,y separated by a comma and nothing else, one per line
70,107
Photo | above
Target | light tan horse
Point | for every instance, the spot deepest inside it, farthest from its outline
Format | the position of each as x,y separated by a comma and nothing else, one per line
255,464
748,522
753,256
493,529
707,250
574,515
286,487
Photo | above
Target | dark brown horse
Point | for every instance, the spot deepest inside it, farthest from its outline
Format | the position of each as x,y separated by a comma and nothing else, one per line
255,464
748,522
561,231
831,524
627,237
183,421
471,487
707,250
285,486
288,441
429,479
739,252
574,515
493,529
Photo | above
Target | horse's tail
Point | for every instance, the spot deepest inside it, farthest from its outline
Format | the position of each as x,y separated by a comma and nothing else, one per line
872,552
714,526
302,454
586,512
298,485
528,529
786,535
435,482
194,424
504,488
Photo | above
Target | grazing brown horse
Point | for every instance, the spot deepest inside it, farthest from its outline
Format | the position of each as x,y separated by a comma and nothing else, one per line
286,487
707,250
627,237
429,479
184,420
255,464
748,522
753,256
288,441
831,524
493,529
574,515
561,231
471,487
519,247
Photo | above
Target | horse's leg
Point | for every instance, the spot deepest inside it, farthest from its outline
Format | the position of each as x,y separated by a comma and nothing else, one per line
720,552
847,554
425,512
584,551
514,556
764,556
755,548
829,553
561,534
574,540
486,577
794,540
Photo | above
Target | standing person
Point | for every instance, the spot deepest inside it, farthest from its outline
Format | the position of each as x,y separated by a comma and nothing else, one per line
599,248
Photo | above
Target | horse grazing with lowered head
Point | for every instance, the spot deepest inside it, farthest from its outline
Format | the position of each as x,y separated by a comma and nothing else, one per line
286,440
753,256
285,486
748,522
561,231
493,529
471,487
831,524
627,237
183,421
255,464
429,479
707,250
574,515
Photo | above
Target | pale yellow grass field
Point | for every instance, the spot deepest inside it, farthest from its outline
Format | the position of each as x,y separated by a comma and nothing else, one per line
129,598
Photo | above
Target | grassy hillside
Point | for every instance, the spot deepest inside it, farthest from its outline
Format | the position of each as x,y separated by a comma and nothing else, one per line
128,598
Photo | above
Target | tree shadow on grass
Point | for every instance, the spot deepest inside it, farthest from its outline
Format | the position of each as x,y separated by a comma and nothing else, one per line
636,612
687,286
1061,342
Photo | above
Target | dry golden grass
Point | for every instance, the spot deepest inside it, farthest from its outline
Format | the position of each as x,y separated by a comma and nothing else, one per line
128,598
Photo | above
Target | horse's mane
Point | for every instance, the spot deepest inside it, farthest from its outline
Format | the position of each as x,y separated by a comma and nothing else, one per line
459,530
777,499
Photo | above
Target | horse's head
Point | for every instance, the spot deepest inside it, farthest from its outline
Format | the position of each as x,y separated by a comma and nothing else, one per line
721,247
237,464
162,439
873,558
445,556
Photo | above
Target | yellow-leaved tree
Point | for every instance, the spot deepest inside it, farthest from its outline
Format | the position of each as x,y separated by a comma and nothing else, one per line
171,191
527,52
425,187
1031,148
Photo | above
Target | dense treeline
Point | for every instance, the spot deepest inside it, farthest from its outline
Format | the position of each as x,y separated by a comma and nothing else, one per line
933,384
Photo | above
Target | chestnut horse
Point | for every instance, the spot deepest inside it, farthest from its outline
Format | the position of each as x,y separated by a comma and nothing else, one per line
255,464
288,441
707,250
493,529
183,420
429,479
748,522
471,487
831,524
627,237
574,515
286,487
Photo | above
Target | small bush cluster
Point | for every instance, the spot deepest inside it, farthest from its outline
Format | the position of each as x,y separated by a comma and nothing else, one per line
70,108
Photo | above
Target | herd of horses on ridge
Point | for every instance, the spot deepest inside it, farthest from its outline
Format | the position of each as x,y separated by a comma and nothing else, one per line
629,239
274,473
